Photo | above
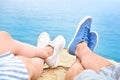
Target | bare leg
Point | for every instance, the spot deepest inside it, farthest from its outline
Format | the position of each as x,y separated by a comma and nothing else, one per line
34,66
7,43
74,70
30,55
90,60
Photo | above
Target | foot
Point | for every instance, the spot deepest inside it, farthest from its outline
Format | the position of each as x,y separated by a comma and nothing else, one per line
58,44
43,40
81,35
93,40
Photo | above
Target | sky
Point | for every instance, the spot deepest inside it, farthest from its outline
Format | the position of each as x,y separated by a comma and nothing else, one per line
62,5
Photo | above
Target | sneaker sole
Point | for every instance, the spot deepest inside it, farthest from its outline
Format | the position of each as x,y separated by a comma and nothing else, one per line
78,27
96,38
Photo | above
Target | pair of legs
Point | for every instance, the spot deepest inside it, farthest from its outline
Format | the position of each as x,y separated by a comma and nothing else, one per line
32,57
82,46
86,59
47,51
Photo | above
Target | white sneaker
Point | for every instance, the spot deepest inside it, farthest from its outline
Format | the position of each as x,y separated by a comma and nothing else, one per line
43,40
58,44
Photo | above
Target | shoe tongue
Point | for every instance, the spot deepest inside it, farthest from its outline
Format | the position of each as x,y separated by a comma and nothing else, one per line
51,44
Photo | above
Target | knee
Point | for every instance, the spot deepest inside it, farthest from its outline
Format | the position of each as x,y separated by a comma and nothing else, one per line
4,34
69,75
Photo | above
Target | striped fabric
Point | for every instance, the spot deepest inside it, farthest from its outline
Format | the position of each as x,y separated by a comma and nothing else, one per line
11,68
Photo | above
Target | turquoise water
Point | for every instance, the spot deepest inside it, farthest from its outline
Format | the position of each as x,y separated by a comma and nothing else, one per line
26,19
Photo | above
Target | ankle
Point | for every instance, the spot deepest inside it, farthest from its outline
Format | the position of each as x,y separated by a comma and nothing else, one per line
82,44
49,50
81,48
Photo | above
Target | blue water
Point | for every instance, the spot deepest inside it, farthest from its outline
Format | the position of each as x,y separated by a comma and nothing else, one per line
26,19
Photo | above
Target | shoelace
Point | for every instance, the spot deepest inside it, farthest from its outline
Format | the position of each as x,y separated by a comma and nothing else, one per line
86,34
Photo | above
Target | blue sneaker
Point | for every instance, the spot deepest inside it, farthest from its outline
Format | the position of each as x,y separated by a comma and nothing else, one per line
93,40
81,35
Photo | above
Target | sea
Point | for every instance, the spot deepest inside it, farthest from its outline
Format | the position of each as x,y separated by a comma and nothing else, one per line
26,19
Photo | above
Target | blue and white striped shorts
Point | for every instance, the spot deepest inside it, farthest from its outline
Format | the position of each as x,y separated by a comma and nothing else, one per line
12,68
